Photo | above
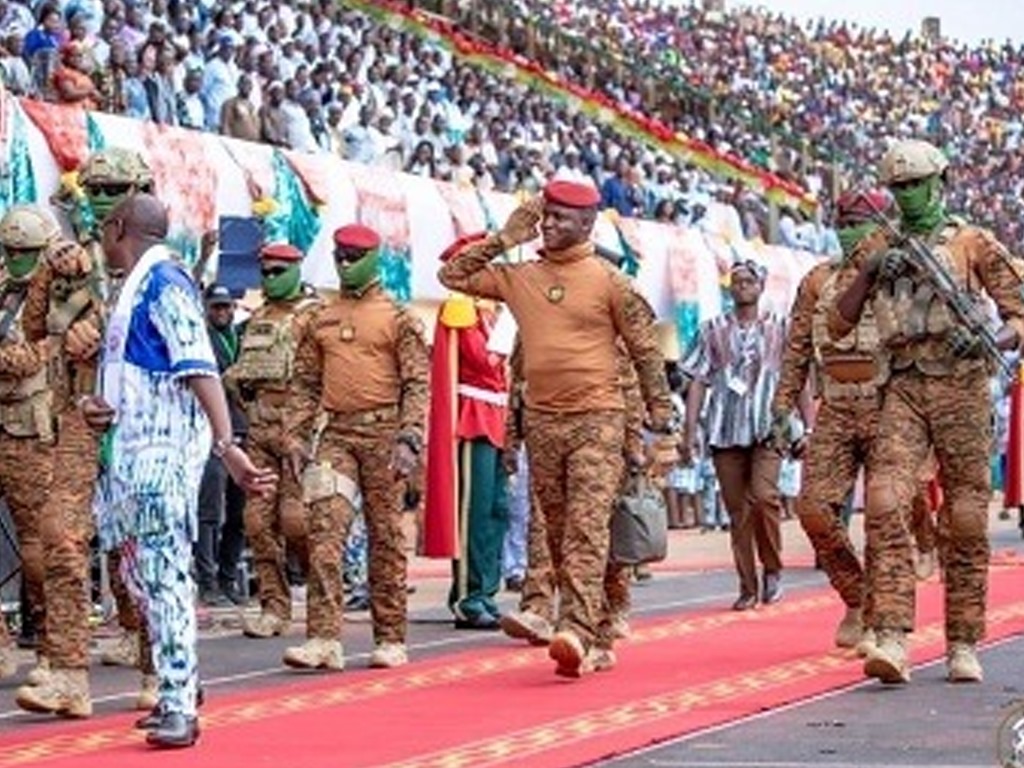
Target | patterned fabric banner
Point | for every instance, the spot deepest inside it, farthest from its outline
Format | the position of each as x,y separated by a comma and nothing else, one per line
383,208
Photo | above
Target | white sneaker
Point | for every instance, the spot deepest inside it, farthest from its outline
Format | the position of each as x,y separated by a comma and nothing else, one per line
389,656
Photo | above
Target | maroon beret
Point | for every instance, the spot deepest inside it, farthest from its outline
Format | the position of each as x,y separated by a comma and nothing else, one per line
356,236
281,252
571,194
461,243
857,206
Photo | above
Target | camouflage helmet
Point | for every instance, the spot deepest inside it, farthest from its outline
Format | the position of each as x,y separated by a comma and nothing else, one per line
910,160
115,165
27,227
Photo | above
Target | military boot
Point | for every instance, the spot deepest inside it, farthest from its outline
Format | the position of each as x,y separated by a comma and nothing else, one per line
867,642
527,625
65,693
8,660
149,693
567,651
620,626
40,673
599,660
925,564
389,656
962,665
265,625
125,652
887,660
850,630
316,653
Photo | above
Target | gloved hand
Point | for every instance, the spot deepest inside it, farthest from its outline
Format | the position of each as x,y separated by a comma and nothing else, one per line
82,341
521,226
887,265
963,344
69,259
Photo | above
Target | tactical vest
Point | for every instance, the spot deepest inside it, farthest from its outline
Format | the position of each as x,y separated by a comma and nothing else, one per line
26,405
913,321
70,299
267,352
853,362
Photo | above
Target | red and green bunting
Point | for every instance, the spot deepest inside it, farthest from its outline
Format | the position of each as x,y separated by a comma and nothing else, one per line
652,132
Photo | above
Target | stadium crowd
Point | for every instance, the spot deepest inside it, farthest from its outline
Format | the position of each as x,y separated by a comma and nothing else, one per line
832,93
319,77
316,76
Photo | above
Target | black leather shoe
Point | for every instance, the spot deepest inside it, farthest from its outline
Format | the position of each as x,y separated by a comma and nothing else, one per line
156,714
484,621
174,731
771,589
745,603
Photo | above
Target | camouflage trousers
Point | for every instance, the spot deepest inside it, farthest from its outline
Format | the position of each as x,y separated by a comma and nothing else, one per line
950,413
539,584
26,475
844,432
274,525
67,529
362,453
576,468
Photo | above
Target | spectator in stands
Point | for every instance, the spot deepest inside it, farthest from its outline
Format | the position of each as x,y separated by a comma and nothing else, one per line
239,117
72,82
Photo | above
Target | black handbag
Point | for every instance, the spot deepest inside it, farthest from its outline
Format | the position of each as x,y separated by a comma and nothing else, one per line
639,527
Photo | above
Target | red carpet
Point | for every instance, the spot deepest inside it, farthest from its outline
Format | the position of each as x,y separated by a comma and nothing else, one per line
504,705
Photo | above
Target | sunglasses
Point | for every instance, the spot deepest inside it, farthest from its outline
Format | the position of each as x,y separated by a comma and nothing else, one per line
96,189
273,271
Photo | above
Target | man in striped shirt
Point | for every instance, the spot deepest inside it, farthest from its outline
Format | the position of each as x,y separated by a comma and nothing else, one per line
736,364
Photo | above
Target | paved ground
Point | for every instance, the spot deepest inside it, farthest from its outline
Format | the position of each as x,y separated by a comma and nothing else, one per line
926,724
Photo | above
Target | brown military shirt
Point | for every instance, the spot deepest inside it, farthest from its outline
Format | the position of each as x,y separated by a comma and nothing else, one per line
21,355
979,262
570,314
361,353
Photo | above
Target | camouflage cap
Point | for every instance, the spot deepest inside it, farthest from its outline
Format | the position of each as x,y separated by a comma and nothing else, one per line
115,165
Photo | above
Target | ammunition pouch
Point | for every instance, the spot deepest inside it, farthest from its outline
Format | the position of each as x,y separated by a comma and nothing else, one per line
319,482
29,417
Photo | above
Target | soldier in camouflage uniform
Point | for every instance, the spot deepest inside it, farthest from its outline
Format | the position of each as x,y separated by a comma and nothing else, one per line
937,394
361,383
847,375
26,413
106,177
262,380
571,309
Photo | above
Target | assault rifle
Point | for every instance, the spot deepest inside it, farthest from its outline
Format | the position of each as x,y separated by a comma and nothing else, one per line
924,262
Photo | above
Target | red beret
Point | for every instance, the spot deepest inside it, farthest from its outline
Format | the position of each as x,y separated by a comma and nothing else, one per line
461,243
356,236
858,205
281,252
571,194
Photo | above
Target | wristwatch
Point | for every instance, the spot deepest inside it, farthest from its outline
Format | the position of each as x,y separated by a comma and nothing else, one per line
222,445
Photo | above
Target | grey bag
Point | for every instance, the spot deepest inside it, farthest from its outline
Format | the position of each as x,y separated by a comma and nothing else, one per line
639,528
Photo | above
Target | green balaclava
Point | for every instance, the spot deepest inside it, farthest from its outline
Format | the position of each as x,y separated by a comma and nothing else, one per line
921,204
21,264
102,204
357,276
284,286
852,234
